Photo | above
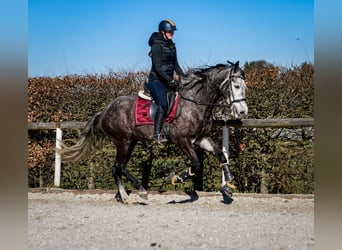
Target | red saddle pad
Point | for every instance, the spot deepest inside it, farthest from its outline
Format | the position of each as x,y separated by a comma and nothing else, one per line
142,112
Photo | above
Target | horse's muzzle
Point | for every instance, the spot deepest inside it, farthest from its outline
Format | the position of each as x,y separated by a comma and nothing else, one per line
239,110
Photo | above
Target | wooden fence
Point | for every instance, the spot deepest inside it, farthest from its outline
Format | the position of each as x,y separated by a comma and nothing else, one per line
254,123
244,123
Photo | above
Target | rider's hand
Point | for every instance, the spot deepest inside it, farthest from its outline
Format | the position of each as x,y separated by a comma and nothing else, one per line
174,84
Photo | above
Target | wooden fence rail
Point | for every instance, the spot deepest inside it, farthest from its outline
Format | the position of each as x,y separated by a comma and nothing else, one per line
244,123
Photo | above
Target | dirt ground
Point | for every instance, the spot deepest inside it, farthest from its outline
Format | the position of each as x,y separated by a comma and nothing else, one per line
93,219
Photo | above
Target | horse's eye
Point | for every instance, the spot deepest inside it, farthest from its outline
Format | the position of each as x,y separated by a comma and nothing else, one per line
237,86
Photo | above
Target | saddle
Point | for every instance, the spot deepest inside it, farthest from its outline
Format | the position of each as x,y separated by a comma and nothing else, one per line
145,107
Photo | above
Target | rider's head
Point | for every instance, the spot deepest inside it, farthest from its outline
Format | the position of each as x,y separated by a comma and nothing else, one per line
167,27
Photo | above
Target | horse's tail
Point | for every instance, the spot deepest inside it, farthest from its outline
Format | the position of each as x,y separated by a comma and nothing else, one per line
85,144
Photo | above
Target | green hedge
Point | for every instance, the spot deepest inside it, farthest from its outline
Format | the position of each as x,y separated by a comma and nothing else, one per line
262,160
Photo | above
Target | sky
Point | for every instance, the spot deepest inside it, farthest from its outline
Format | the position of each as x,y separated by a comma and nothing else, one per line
100,36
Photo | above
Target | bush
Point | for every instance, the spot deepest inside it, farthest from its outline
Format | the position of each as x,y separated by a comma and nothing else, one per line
262,160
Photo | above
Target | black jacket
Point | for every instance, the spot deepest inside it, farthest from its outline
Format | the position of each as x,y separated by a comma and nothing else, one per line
164,58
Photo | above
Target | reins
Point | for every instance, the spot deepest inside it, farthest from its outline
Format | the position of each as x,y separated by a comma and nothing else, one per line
204,103
210,103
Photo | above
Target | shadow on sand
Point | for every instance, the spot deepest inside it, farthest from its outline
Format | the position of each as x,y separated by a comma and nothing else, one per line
194,197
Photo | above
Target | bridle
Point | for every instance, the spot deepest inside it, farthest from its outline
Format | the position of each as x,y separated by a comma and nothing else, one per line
229,80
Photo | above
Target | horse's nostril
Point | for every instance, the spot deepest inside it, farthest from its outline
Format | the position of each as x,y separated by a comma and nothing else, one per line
242,112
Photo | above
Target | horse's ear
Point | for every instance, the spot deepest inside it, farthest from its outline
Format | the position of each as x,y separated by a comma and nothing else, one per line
231,63
236,66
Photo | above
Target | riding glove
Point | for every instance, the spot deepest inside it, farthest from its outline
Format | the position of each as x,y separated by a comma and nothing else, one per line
174,84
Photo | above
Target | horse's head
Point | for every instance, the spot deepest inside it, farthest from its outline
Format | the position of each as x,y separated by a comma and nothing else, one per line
208,84
233,88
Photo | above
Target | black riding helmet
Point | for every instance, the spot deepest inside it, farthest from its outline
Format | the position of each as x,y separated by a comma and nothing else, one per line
167,25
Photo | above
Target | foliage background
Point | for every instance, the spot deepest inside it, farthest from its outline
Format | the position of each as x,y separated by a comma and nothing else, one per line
262,160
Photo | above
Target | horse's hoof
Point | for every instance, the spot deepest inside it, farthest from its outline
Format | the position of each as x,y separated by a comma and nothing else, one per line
193,195
117,197
227,191
122,198
173,179
143,195
123,201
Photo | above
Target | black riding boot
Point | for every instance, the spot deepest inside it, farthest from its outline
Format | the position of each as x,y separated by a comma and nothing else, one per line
158,125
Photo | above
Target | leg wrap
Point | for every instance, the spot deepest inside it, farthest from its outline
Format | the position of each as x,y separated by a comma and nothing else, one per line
227,175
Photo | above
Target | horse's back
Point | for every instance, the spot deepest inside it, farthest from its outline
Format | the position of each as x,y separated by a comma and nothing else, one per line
120,104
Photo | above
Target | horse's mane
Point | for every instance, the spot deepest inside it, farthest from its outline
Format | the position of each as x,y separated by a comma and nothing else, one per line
201,75
206,70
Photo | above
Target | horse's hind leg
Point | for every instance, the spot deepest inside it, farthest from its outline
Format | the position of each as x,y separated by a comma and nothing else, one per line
136,184
117,174
123,153
119,169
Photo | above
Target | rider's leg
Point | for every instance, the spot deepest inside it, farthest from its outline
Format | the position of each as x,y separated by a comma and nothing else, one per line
159,95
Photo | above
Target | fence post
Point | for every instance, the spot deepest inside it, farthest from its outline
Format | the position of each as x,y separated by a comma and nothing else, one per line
225,147
57,180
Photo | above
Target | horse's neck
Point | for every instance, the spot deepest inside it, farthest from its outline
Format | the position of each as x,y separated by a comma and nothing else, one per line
204,100
200,94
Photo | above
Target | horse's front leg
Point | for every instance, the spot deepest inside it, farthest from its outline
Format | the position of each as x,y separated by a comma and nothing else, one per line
189,150
208,145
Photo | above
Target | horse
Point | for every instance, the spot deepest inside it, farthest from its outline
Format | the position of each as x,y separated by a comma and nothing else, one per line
199,93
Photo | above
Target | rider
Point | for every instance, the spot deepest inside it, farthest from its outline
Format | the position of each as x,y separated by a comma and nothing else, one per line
164,65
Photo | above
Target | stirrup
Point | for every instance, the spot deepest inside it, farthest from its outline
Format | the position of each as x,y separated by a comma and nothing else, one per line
160,138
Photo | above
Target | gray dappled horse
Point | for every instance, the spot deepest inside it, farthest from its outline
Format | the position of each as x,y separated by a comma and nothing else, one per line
199,92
